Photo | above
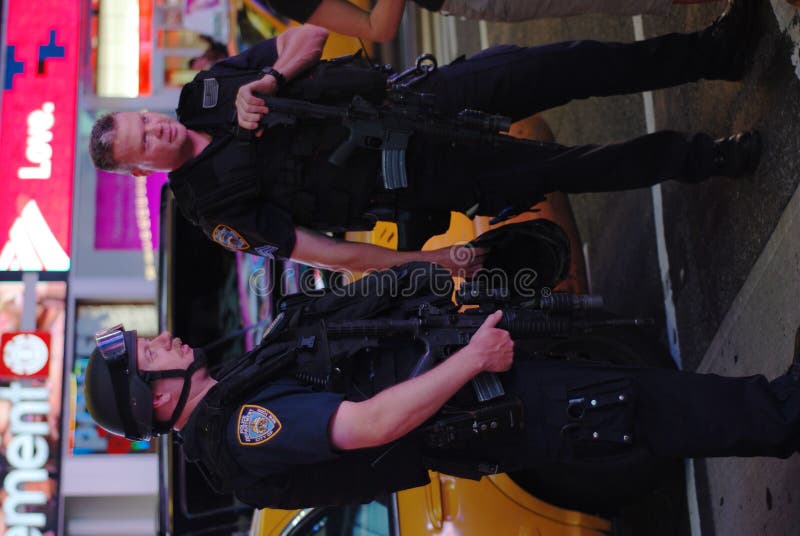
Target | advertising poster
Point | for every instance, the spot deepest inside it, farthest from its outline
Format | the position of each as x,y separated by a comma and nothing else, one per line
37,134
31,366
127,211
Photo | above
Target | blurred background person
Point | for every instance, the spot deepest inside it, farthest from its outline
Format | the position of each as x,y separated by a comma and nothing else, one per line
381,23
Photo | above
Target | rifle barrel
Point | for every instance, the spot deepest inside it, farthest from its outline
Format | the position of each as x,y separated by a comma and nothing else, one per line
520,324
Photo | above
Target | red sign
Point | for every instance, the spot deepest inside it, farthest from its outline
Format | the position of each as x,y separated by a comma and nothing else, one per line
37,133
24,355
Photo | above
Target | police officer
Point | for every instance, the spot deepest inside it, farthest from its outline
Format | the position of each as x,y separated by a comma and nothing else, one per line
267,428
266,197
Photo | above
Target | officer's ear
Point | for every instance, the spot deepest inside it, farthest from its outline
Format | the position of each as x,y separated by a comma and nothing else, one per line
140,172
161,399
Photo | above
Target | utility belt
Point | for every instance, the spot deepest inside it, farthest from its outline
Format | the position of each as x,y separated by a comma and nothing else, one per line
490,421
451,431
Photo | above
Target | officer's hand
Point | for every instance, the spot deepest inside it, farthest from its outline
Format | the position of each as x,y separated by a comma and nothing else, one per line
460,260
492,345
250,108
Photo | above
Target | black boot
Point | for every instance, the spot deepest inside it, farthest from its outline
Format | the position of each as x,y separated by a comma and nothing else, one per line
728,44
737,155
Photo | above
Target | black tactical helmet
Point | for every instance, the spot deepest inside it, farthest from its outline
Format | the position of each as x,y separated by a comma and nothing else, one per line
539,245
118,394
117,397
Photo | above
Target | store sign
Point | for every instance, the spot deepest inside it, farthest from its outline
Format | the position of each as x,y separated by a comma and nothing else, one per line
27,454
24,355
37,134
31,377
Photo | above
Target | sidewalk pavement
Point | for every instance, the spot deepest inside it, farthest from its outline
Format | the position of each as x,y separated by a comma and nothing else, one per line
759,495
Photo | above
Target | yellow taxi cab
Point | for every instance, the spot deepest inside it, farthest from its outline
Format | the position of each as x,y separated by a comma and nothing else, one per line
268,24
447,506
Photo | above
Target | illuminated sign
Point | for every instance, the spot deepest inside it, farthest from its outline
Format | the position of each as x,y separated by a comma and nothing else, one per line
127,214
24,355
27,453
37,134
31,370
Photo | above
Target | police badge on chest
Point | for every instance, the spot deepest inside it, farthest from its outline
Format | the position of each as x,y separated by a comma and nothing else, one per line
256,425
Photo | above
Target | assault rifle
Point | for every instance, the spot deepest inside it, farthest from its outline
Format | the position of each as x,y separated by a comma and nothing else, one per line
388,127
444,331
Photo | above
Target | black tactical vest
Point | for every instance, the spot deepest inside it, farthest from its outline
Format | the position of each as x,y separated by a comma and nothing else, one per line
358,476
287,166
299,352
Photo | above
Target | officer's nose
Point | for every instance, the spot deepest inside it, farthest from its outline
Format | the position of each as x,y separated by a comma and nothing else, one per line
155,129
164,337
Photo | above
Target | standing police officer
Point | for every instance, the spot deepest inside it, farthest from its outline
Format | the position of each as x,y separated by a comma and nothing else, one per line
268,429
266,196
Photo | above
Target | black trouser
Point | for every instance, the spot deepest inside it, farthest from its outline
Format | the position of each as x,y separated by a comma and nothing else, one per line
518,82
669,413
456,178
597,436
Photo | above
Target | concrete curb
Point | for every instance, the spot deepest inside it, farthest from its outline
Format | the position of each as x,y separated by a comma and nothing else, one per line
754,495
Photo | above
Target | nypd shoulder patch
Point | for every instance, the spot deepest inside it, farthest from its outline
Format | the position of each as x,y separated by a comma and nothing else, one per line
229,238
256,425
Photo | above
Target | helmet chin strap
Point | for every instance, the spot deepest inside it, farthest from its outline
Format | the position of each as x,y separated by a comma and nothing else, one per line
163,427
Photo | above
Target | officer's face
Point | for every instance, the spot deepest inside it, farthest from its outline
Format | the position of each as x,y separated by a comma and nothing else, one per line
149,141
164,352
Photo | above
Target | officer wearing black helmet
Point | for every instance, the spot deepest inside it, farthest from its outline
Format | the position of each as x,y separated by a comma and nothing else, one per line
282,441
124,369
270,195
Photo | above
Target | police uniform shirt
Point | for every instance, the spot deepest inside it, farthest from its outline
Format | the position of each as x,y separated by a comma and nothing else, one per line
281,435
283,425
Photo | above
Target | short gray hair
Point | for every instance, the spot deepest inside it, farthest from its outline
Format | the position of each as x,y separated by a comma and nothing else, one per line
101,144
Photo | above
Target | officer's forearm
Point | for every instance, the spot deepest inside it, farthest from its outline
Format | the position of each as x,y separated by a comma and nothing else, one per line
359,257
396,411
341,16
340,255
299,48
385,19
